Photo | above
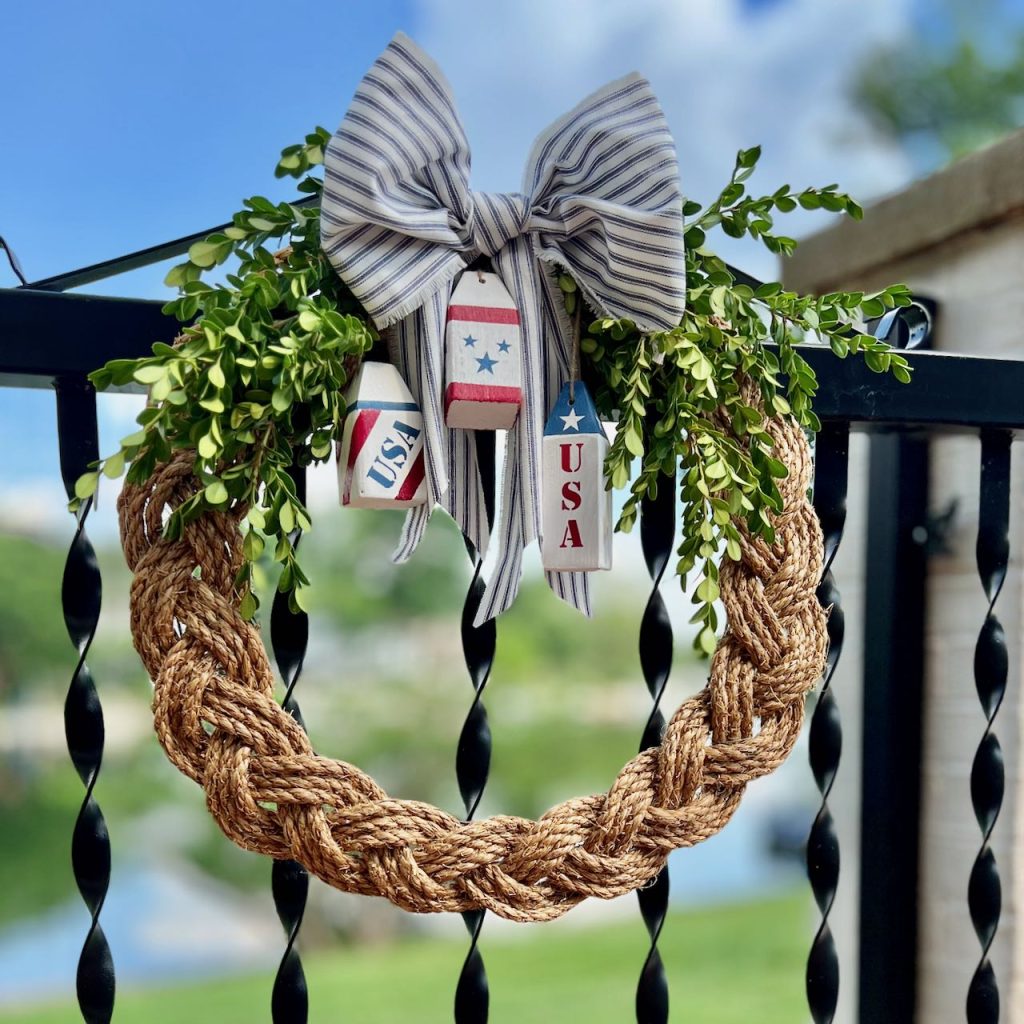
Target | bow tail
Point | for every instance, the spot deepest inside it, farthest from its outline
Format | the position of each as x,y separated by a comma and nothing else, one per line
453,475
544,339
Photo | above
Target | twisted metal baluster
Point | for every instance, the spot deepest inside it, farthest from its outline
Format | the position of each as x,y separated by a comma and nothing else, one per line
473,757
657,536
984,893
81,594
289,635
826,738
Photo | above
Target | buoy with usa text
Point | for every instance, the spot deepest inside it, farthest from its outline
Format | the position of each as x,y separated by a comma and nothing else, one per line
380,458
576,507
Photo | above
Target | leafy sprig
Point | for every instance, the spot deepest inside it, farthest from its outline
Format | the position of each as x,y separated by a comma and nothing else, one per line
682,399
253,384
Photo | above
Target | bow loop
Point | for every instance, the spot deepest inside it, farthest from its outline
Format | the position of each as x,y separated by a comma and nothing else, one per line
396,203
600,197
607,205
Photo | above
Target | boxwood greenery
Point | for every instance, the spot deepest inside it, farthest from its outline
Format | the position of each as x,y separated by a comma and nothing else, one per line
253,383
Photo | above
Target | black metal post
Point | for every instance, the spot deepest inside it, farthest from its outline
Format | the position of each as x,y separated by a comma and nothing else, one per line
473,756
657,536
893,698
81,595
825,742
289,637
991,670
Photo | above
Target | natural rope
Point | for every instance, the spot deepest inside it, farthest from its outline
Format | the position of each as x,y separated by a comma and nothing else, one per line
218,721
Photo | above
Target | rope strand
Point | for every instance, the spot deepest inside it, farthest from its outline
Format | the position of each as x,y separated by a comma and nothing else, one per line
217,719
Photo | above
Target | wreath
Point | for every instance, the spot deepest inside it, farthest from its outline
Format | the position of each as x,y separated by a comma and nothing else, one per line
253,386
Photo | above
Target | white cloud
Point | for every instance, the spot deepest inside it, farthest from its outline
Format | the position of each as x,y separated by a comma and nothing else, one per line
37,508
727,77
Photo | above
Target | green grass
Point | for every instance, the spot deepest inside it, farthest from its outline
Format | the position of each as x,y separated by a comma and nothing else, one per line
731,965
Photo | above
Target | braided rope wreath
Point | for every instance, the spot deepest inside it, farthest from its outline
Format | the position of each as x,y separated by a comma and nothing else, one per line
217,719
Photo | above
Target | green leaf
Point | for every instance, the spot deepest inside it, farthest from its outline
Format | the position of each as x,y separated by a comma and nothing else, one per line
113,467
150,374
253,545
287,517
707,590
85,485
176,276
216,493
247,606
300,599
204,254
749,157
309,321
707,641
633,441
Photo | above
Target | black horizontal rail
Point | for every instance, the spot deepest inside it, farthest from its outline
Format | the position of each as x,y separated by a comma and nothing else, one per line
47,334
134,260
117,265
44,335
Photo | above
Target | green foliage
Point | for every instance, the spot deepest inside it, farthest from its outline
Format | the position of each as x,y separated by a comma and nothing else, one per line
369,590
33,640
253,385
679,396
731,964
954,100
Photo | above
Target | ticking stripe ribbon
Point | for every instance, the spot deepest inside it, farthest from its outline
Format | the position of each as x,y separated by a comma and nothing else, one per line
399,222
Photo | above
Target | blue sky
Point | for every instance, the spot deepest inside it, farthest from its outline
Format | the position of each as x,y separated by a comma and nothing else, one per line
125,124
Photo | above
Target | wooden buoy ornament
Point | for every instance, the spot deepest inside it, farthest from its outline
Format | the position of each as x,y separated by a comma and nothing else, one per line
380,458
483,375
576,508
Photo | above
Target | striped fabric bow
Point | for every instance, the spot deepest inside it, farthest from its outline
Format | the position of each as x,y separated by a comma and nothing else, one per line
600,198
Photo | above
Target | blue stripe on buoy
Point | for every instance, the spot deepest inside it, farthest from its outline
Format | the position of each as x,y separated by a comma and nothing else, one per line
356,406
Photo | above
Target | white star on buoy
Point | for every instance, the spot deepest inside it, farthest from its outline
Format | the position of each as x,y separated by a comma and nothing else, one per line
572,421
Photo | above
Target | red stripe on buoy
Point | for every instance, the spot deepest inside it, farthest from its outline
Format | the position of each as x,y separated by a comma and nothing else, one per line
413,480
484,315
366,419
481,393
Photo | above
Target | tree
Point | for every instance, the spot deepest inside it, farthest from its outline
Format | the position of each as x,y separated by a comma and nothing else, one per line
944,98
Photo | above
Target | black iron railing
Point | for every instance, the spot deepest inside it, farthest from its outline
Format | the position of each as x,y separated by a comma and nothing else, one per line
49,338
289,881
